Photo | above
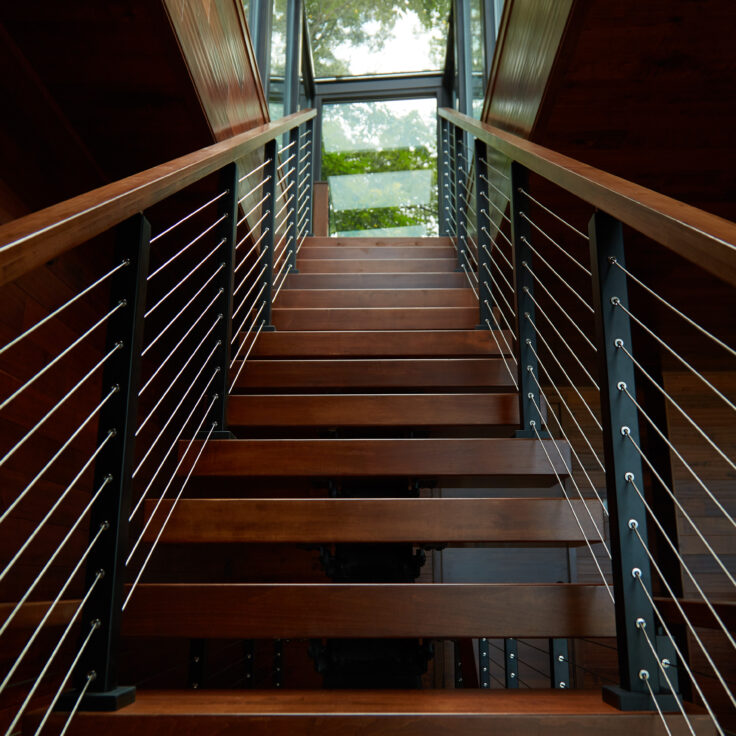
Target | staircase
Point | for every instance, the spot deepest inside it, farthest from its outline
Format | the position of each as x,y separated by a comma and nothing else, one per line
376,385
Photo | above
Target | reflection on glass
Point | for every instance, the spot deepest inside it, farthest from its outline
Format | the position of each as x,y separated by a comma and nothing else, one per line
381,161
477,53
278,60
352,37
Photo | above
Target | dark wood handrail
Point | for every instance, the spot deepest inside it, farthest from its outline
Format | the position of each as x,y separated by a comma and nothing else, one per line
30,241
700,237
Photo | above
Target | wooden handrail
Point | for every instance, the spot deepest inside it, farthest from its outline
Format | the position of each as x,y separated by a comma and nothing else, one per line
31,241
700,237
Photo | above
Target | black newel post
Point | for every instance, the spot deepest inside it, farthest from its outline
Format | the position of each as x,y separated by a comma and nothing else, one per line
485,291
461,206
269,224
293,211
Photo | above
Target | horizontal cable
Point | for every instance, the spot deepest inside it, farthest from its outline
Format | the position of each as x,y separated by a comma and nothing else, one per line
283,281
556,244
559,306
305,167
190,215
500,273
58,404
496,207
257,168
183,426
556,273
253,209
244,280
304,145
560,366
186,247
283,163
182,310
181,341
28,538
250,232
286,147
283,251
491,184
556,216
255,283
496,170
57,454
533,425
500,293
261,183
498,230
644,676
122,303
570,412
181,282
538,308
285,204
173,505
60,309
501,353
508,327
553,413
622,387
470,281
247,352
617,303
178,375
471,267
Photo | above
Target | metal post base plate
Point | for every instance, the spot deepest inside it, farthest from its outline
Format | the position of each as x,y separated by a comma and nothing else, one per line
268,328
627,700
109,700
531,434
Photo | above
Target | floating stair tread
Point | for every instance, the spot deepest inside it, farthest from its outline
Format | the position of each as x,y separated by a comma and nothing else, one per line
334,298
436,373
363,410
417,344
371,713
446,280
376,265
376,520
371,251
363,242
283,611
375,318
497,457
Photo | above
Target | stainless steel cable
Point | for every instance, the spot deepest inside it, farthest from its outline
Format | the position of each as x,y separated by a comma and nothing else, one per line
58,404
242,324
563,311
560,278
244,279
182,310
505,257
56,455
283,163
496,207
281,195
254,189
678,454
644,676
471,268
173,505
62,354
470,281
178,375
186,247
500,272
556,244
64,306
498,230
189,216
247,235
491,184
500,293
251,304
257,168
528,292
570,412
501,353
508,327
533,425
284,261
173,445
254,208
283,281
617,302
496,170
556,216
181,282
286,147
245,357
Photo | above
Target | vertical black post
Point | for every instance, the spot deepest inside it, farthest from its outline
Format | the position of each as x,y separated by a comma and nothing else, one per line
484,663
311,162
293,55
269,223
293,236
559,664
249,658
197,655
226,234
278,663
511,661
630,563
459,681
461,206
523,299
114,468
485,291
443,175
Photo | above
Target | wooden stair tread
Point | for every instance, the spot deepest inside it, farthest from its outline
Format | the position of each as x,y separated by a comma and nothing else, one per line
502,458
374,318
434,373
353,252
444,280
364,242
370,610
418,344
376,265
418,520
380,410
377,298
368,712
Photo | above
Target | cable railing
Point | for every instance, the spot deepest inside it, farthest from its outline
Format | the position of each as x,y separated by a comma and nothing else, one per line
114,392
617,364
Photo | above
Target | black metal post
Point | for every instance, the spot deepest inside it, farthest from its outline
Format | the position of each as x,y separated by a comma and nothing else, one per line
249,658
269,224
293,179
293,55
461,206
484,663
197,657
559,664
485,291
443,175
511,661
114,467
278,663
311,161
630,563
524,304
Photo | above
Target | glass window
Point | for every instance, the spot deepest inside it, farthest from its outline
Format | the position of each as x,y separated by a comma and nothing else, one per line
278,60
477,55
380,159
354,37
